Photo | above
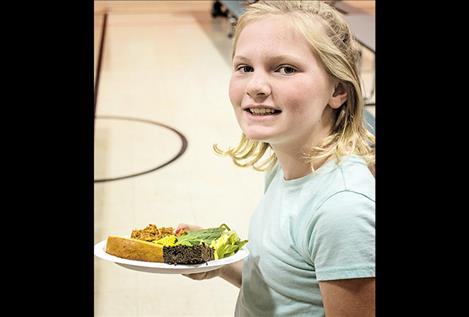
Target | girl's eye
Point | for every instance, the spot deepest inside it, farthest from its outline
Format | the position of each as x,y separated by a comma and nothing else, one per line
245,69
286,70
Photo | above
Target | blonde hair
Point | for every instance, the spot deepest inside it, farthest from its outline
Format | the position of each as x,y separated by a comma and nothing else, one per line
332,42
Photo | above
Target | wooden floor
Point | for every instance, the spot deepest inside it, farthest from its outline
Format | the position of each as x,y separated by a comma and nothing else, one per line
165,62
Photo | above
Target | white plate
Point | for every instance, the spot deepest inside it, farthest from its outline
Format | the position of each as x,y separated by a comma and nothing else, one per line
163,268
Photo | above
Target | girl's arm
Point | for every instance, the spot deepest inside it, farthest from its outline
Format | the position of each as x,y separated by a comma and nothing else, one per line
231,273
351,297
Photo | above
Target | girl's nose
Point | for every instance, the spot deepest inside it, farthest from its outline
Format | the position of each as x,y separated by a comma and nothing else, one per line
258,86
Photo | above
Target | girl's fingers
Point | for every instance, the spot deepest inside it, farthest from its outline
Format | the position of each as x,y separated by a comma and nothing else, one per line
203,275
186,227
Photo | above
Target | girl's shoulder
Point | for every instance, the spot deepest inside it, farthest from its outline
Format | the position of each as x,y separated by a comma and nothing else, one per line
351,174
356,176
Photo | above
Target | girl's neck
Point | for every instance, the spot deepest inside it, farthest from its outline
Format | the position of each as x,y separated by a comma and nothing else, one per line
293,155
296,165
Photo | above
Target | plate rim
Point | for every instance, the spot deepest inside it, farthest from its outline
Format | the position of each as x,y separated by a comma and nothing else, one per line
99,251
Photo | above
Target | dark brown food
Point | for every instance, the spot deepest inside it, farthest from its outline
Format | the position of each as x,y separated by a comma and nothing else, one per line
182,254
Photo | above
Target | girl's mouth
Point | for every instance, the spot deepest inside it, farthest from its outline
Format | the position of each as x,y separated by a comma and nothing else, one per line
262,111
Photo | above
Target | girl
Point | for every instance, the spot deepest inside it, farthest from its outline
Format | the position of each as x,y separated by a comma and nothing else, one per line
297,97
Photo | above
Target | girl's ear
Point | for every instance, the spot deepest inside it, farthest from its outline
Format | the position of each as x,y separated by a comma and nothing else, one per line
339,96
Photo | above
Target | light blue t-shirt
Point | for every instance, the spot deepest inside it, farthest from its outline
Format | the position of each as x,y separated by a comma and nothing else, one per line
315,228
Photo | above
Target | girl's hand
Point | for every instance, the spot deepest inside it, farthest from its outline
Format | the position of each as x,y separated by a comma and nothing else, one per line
204,275
232,273
184,227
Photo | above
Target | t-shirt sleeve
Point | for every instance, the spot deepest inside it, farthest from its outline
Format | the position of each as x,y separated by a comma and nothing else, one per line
341,238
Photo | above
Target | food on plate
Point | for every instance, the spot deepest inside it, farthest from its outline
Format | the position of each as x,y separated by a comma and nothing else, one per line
184,254
153,244
151,233
134,249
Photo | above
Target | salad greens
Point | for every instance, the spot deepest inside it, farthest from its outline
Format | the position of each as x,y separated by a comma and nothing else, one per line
227,244
222,239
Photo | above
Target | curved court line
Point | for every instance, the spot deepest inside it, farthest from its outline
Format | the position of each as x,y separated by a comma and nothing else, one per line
181,150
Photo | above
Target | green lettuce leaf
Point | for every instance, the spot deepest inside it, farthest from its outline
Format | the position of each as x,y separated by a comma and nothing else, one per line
202,236
227,244
222,239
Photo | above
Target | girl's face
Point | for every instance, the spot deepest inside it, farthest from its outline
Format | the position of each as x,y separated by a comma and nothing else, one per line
279,90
